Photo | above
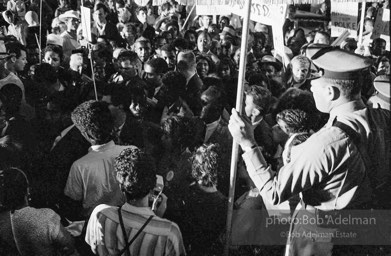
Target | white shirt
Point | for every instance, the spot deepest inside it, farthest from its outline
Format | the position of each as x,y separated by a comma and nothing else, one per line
92,178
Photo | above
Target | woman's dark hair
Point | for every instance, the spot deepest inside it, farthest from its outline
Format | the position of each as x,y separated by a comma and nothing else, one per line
165,33
298,99
14,187
296,120
101,6
11,97
94,118
56,49
189,32
207,59
175,82
225,62
135,173
206,164
45,73
184,132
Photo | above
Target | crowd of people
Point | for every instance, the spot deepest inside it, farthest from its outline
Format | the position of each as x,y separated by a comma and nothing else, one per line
88,123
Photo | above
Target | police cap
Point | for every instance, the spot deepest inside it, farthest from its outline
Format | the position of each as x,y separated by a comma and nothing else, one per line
335,63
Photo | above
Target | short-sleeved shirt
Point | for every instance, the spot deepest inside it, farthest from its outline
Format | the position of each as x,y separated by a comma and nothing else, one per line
92,178
159,237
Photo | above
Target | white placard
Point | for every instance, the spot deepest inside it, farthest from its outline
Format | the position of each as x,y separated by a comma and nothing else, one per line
344,16
382,26
260,12
212,10
86,23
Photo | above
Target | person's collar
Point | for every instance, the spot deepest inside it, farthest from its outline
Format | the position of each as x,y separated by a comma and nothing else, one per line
213,124
138,210
348,107
102,147
257,122
191,74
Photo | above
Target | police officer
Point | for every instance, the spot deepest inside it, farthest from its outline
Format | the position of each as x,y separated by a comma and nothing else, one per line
331,172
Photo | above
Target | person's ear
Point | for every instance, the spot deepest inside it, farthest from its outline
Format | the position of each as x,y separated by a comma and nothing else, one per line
333,93
13,59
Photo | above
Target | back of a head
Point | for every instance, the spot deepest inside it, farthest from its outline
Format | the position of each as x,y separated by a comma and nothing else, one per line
14,187
294,98
12,151
31,18
120,95
44,73
135,172
186,61
128,55
206,164
261,97
159,65
11,97
94,120
322,37
15,48
175,82
212,81
184,132
99,6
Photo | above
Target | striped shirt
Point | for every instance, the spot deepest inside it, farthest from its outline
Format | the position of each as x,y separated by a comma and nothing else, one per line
159,237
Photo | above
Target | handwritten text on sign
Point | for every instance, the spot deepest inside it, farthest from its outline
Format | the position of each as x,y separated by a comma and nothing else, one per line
344,16
382,26
261,11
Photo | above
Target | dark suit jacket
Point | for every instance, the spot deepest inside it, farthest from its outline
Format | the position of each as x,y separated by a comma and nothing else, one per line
111,31
59,161
193,94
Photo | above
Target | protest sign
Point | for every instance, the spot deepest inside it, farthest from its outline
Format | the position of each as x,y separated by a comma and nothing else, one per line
344,16
264,13
86,23
382,26
141,2
212,10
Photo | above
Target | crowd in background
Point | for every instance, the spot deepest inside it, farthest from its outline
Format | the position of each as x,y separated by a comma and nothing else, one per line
85,125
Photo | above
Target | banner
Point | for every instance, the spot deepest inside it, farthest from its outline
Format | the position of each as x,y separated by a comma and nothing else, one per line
212,10
382,26
260,12
141,2
344,16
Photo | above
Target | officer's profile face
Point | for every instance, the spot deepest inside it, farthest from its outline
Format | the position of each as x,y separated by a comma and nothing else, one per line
321,93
